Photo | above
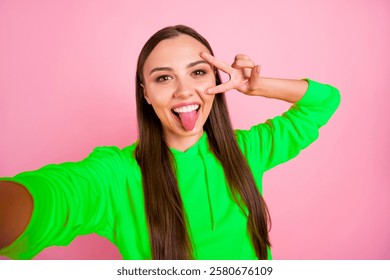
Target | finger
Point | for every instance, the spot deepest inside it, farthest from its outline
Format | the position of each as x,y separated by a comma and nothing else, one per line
215,62
248,72
221,88
245,66
242,56
239,64
255,75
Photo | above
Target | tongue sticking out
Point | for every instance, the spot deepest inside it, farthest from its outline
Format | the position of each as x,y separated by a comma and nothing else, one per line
188,119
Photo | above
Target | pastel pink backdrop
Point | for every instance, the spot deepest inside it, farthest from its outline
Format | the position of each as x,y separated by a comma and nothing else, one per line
67,85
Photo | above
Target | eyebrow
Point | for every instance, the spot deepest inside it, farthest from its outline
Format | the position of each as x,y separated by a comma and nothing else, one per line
192,64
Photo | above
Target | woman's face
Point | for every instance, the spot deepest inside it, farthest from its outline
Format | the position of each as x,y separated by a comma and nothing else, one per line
175,80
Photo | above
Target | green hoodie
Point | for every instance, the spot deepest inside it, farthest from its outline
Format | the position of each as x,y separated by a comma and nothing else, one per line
103,193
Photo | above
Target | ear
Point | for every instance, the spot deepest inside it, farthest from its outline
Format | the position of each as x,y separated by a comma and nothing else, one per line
146,95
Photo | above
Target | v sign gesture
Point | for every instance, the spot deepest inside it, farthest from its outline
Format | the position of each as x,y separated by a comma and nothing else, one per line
245,77
244,74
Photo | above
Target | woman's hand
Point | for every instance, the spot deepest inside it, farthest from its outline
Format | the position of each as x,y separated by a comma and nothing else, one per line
244,75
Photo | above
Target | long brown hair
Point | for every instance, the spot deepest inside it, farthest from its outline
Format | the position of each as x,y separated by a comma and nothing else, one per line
163,205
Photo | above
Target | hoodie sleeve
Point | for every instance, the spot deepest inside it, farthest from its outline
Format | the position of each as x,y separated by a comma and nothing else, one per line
282,138
69,199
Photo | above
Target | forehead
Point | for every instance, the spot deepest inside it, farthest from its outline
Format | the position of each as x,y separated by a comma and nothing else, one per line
175,51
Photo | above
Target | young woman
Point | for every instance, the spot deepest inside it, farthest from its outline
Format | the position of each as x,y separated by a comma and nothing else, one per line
190,187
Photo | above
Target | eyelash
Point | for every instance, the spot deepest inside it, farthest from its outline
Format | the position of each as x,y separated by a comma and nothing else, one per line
202,72
163,78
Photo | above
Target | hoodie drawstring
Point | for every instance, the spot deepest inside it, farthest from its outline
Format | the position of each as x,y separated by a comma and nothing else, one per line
207,170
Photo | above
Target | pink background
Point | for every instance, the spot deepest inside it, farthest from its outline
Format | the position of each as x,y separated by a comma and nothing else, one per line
67,85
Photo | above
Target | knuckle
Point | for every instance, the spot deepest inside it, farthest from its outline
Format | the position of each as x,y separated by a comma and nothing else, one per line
242,56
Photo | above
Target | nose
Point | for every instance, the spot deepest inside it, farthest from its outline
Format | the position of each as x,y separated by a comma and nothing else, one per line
184,89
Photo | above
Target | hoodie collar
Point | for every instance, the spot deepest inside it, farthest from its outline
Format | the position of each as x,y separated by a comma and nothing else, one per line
195,150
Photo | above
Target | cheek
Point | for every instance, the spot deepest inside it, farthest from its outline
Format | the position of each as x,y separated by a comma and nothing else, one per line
208,101
202,85
158,96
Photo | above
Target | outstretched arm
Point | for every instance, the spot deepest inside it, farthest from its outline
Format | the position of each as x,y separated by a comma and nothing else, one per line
67,200
15,211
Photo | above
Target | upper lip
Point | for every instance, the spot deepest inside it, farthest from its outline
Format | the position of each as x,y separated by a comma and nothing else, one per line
185,104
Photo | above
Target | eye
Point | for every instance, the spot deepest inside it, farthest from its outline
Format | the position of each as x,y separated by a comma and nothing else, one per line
198,72
163,78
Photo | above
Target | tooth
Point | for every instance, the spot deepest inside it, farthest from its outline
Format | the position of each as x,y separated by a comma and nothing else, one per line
186,109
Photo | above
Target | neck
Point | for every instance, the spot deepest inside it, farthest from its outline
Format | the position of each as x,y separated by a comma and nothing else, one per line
182,143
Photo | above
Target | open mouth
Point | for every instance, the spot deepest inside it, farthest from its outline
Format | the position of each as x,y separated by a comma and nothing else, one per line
187,116
186,109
